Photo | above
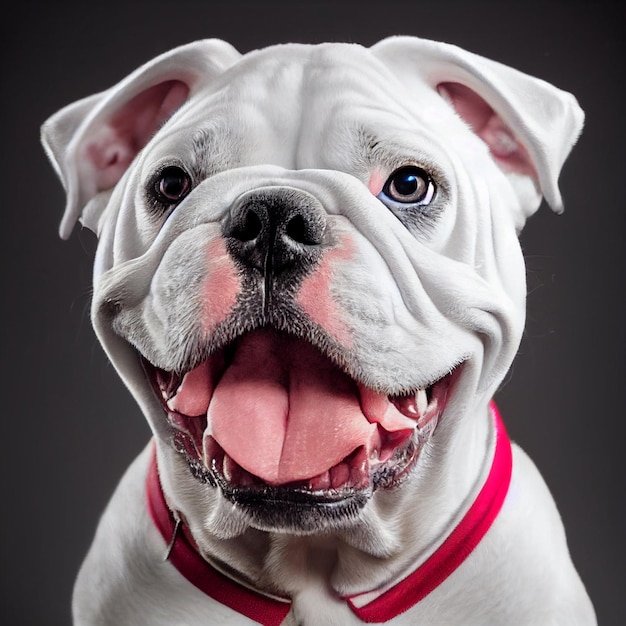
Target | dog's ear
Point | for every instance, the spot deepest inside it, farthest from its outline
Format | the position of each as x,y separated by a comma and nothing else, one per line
92,142
529,125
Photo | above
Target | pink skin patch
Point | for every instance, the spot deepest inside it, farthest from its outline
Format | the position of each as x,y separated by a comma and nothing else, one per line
221,285
376,182
487,124
315,299
114,144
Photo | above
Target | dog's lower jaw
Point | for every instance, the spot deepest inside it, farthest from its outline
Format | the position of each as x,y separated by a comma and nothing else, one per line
330,502
297,508
221,528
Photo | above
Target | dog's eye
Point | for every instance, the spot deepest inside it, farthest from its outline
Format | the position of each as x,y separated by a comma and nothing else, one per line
172,185
408,185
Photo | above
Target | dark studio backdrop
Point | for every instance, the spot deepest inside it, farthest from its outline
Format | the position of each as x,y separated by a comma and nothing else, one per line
70,428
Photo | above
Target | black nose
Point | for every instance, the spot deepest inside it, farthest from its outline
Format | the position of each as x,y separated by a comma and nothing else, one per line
276,229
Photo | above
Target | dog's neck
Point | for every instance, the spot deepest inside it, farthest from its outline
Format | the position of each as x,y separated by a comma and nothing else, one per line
283,564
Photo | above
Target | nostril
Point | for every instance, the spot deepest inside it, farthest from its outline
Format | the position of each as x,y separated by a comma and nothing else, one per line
296,229
249,228
303,231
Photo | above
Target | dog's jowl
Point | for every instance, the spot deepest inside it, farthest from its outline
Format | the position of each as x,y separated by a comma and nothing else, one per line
308,276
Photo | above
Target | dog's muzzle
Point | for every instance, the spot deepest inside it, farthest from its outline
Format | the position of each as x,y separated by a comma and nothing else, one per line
272,410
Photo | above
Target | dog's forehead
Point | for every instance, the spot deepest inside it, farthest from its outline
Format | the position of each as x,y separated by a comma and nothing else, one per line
317,70
297,101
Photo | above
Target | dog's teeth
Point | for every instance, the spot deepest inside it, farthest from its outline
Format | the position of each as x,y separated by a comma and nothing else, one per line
412,406
168,383
229,468
421,401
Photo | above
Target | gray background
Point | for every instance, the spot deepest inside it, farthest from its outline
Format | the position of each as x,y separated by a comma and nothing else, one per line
70,428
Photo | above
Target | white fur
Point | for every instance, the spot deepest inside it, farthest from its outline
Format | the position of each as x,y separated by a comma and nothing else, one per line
125,579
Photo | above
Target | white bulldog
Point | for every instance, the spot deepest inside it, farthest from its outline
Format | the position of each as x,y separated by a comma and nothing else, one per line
308,276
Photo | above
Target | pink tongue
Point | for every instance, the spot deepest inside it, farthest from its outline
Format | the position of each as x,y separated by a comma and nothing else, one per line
285,413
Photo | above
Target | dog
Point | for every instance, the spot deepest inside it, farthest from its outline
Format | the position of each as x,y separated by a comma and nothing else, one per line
309,277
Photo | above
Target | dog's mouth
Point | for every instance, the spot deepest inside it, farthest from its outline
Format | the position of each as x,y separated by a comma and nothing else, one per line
270,419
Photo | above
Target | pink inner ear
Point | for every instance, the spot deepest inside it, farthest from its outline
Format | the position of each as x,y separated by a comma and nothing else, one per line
506,149
116,143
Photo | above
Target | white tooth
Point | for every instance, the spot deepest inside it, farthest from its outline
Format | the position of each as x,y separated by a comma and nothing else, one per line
421,401
170,400
228,468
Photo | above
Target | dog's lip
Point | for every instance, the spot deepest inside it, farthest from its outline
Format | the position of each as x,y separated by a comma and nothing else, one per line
383,464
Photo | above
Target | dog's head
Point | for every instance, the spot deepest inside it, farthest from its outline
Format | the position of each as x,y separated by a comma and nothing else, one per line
308,271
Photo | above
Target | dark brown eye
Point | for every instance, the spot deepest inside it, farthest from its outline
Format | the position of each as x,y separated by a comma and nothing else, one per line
172,185
408,185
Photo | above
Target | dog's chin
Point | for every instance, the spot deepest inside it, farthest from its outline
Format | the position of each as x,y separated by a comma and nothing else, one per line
332,499
291,508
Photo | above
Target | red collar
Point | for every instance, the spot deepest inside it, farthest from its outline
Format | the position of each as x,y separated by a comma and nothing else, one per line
271,611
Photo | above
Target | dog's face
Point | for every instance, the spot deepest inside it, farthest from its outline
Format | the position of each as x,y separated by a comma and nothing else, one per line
308,271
